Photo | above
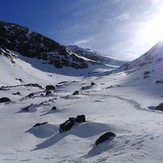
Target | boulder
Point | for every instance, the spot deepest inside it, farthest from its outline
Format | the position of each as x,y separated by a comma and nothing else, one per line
50,87
76,93
159,107
16,93
4,99
93,84
54,108
159,81
104,137
67,125
80,118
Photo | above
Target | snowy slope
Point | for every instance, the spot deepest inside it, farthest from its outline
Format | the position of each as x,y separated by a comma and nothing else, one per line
13,69
154,55
121,102
97,57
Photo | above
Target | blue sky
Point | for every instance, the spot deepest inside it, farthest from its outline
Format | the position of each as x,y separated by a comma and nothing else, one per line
119,28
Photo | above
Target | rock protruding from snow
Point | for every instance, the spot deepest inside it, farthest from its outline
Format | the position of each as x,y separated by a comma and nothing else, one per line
68,124
104,137
39,124
76,93
80,118
4,99
50,87
159,107
159,81
54,108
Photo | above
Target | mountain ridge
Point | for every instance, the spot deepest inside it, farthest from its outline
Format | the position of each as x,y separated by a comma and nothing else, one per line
34,45
153,55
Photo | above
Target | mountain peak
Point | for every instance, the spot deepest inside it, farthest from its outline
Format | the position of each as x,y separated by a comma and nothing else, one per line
154,55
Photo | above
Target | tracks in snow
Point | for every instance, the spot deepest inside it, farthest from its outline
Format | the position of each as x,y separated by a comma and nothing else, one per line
132,102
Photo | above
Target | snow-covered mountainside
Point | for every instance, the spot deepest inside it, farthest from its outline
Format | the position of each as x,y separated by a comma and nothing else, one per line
37,50
96,56
154,55
51,117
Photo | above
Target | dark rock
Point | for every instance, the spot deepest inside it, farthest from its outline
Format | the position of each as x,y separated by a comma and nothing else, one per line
85,87
31,95
159,107
4,99
67,125
104,137
54,108
48,93
50,87
19,79
76,93
3,88
33,85
80,118
93,84
16,93
146,73
159,81
39,124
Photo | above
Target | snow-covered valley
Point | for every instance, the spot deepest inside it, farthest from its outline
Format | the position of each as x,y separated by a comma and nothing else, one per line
122,102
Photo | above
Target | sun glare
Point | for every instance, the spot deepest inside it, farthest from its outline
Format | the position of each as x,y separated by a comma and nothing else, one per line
153,30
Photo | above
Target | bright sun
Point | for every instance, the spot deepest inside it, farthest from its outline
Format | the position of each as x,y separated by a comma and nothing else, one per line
153,30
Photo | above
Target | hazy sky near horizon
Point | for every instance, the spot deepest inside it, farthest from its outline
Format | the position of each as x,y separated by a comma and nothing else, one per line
119,28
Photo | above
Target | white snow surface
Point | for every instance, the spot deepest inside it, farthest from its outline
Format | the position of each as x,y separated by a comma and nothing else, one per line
122,103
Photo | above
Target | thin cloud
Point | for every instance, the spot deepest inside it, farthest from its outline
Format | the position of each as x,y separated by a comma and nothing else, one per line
123,17
110,27
83,42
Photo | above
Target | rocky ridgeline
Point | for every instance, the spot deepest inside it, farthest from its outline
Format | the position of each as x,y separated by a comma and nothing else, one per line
34,45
